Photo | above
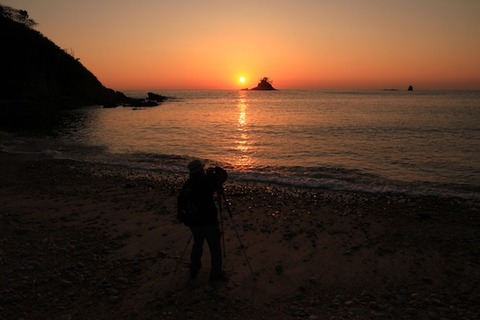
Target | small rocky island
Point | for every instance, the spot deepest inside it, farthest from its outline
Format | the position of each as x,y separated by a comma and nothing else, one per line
264,84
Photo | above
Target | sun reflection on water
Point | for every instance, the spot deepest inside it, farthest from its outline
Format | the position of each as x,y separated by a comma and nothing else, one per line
243,160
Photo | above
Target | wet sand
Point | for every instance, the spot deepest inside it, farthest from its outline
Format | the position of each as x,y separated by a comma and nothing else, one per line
90,241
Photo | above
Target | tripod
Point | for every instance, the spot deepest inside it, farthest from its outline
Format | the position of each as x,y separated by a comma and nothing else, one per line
221,195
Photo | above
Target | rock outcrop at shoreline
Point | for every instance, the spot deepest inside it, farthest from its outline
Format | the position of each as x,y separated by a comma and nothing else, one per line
152,100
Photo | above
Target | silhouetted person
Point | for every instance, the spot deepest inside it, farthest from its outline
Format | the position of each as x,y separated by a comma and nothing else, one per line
205,225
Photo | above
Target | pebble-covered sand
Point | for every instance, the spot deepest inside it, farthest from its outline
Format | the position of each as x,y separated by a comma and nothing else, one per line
85,241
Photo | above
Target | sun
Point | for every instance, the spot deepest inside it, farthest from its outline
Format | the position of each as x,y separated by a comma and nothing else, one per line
242,79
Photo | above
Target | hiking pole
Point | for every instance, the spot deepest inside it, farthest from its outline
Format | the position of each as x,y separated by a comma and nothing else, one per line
219,201
227,205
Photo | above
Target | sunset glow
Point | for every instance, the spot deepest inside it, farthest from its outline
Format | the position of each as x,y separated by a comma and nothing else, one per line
300,45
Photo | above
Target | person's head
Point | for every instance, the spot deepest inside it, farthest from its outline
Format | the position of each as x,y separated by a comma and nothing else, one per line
196,168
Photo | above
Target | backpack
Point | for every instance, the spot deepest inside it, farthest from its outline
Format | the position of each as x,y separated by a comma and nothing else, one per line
186,208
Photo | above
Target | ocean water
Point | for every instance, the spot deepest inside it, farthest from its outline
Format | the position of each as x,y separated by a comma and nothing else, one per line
420,142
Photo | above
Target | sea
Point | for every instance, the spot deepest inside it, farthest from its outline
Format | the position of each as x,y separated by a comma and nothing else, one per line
421,142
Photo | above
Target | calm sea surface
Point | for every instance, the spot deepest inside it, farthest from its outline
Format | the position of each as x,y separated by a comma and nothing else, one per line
420,142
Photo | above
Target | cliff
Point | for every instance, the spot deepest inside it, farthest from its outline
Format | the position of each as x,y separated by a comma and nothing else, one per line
40,77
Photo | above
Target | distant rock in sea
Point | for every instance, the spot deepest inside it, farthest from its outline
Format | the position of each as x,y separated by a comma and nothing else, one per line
156,97
410,88
264,84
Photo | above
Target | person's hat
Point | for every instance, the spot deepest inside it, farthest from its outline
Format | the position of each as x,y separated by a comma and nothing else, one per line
195,166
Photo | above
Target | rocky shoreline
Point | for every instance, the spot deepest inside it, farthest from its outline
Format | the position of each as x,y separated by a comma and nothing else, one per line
85,241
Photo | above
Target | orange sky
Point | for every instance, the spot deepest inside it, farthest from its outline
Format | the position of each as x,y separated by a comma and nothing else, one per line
303,44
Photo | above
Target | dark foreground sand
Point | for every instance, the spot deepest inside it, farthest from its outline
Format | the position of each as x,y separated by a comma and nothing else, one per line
83,241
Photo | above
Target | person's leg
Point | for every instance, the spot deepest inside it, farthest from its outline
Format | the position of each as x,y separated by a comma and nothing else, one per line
197,250
213,237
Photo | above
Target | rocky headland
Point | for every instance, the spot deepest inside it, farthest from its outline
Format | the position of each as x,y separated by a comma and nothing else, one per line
41,79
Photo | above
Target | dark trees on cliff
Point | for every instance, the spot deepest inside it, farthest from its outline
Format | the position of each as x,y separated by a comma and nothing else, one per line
20,16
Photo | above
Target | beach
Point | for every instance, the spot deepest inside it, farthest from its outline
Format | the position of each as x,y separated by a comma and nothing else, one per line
81,240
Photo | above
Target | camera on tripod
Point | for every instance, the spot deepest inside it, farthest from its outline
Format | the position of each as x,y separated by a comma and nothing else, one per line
219,175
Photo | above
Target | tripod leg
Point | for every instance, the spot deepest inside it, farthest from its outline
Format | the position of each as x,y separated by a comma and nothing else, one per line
219,198
178,262
244,251
183,253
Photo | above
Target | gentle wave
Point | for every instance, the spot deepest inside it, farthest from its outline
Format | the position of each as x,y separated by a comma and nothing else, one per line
421,143
329,178
339,179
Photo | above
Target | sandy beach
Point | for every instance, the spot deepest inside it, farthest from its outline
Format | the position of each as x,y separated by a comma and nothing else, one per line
90,241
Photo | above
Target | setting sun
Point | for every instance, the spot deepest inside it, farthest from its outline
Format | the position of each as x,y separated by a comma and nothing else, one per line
376,53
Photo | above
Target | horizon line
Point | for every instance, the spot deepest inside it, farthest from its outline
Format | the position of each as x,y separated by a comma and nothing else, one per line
301,89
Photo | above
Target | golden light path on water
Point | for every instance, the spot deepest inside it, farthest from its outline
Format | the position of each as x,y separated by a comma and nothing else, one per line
244,159
428,136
